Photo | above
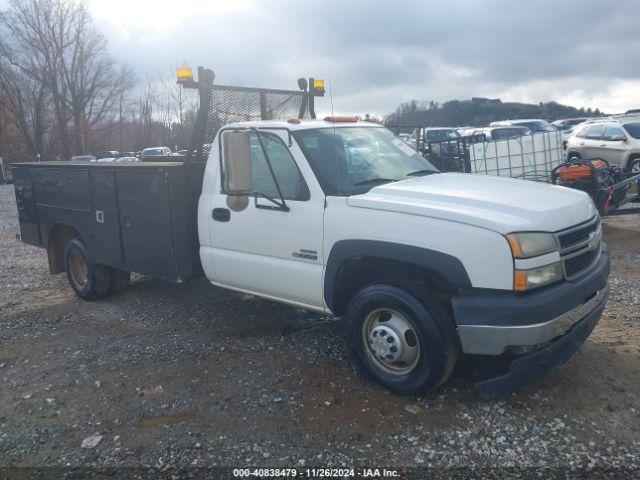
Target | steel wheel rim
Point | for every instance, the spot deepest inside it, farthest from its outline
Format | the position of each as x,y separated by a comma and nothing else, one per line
391,341
635,168
78,268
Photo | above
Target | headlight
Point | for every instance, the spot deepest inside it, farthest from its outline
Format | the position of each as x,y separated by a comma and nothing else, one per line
537,277
526,245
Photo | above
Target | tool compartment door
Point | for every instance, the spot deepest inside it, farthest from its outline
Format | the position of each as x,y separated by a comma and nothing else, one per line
106,246
26,204
145,222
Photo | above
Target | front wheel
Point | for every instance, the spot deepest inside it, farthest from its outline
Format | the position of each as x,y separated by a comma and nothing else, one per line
406,344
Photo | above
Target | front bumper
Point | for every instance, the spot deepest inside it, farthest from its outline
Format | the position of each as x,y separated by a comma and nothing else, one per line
492,324
551,323
534,366
494,340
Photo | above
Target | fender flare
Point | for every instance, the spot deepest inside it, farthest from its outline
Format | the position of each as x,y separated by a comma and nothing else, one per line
448,266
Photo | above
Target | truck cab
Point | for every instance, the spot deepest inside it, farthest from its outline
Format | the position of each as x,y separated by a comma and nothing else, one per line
341,216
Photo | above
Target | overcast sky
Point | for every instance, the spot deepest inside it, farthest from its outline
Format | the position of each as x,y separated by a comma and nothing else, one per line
378,54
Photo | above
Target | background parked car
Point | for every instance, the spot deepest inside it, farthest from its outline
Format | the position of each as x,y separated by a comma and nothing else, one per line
498,133
434,134
566,126
567,123
536,125
155,152
107,154
118,160
84,158
614,139
440,133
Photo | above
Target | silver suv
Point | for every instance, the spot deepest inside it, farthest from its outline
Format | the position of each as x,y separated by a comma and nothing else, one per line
614,139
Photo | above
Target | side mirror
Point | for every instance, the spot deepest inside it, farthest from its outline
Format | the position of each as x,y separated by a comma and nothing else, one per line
237,163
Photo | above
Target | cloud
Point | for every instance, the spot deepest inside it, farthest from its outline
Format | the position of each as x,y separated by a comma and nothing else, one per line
378,54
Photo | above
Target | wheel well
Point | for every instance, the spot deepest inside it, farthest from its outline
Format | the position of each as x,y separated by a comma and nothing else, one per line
356,273
573,154
59,236
631,159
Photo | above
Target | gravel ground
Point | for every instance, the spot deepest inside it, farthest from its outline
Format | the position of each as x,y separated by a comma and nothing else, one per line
174,376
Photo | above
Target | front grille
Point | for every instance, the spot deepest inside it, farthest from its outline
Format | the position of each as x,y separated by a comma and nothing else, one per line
575,265
577,236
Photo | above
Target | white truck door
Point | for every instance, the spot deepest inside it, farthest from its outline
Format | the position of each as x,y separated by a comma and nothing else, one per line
259,248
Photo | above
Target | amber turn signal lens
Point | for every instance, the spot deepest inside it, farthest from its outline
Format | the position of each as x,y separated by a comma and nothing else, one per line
519,280
515,245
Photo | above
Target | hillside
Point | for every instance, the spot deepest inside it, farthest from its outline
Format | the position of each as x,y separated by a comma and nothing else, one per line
479,112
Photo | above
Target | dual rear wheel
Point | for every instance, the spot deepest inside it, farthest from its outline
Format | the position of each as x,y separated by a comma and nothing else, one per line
91,280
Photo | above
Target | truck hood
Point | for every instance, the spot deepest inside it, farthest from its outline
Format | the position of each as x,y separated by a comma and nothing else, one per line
501,204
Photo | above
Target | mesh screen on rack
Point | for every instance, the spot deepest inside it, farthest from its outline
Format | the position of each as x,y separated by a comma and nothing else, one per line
230,105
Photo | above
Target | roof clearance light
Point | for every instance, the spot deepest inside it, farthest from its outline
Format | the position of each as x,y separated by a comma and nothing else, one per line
184,74
318,87
293,120
341,119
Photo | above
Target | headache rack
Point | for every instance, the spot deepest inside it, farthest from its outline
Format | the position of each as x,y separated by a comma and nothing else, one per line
223,104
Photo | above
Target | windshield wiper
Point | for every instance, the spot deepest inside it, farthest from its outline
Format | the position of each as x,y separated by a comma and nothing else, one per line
420,173
376,180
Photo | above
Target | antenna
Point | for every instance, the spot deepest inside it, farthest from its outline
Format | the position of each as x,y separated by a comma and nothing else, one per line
335,142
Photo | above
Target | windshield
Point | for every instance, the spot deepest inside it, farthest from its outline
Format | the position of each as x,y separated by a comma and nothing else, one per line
509,133
152,151
443,134
352,160
633,129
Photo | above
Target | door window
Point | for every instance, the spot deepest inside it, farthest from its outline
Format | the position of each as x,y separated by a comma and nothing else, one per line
594,132
285,170
613,131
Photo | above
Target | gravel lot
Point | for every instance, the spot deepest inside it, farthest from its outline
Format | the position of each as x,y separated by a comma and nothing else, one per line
177,376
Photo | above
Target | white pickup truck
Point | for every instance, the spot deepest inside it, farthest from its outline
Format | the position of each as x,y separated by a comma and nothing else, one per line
340,216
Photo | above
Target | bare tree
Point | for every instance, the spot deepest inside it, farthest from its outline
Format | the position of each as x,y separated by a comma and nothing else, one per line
54,43
23,102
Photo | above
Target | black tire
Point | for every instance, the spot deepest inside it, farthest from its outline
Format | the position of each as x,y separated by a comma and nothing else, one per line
434,333
573,156
119,280
88,280
634,163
